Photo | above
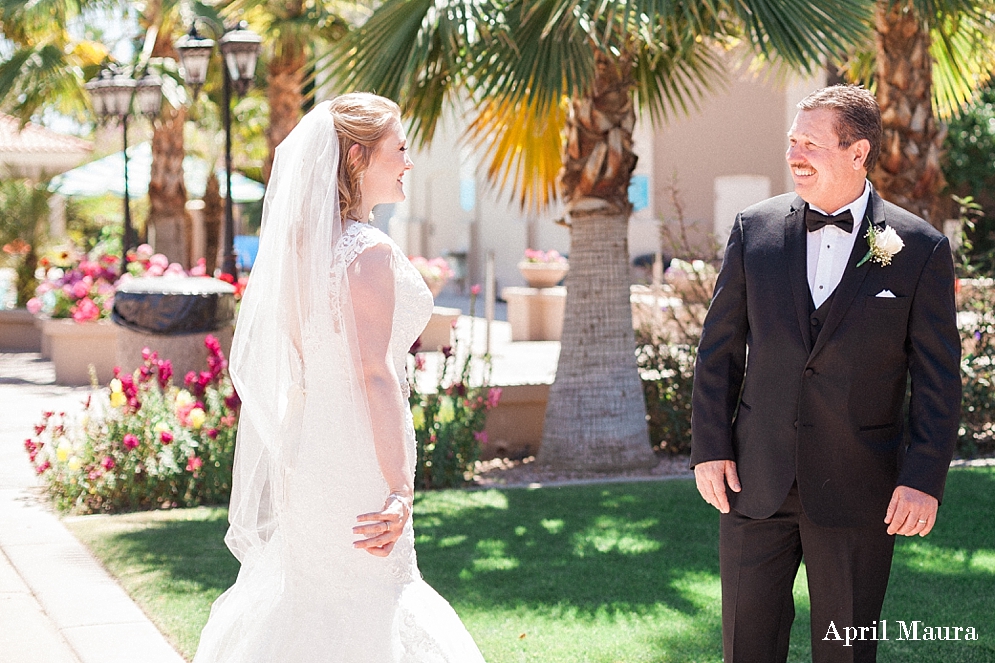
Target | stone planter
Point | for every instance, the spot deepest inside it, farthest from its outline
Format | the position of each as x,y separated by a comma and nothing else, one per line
18,331
543,274
535,314
438,332
76,346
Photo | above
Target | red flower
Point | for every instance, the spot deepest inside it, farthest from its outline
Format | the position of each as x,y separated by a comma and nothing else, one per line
44,467
213,433
475,289
233,401
165,372
107,463
130,441
166,437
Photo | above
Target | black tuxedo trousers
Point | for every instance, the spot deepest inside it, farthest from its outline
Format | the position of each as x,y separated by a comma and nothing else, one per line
822,417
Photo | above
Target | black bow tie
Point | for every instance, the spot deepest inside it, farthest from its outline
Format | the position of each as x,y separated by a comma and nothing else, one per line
815,220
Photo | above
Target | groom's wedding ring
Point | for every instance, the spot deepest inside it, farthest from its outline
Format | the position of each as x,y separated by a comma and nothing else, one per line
922,521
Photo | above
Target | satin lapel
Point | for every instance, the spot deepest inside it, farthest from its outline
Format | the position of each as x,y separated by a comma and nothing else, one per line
796,250
853,277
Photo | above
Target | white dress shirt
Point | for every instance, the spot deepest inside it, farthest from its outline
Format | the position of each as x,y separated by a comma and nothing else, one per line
829,249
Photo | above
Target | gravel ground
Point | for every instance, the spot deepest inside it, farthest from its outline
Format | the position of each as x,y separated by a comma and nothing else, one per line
504,473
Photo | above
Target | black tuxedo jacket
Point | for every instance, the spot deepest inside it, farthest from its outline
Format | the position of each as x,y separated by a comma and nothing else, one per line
828,416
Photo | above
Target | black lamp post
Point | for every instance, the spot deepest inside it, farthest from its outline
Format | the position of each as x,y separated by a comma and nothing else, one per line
240,48
112,92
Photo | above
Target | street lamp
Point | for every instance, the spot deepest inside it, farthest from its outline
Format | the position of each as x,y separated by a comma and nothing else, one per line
240,48
112,92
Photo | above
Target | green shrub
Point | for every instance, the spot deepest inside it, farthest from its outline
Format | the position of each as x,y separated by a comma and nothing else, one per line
449,421
143,443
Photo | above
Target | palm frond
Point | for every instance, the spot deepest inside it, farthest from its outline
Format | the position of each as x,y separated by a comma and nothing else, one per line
521,142
413,52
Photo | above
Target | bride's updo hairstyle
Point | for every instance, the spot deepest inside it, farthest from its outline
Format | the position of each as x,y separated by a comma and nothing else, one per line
360,119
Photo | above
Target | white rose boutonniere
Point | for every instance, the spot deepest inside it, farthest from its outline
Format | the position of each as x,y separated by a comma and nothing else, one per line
884,245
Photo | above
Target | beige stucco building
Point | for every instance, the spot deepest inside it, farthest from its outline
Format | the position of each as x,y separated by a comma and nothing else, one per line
727,155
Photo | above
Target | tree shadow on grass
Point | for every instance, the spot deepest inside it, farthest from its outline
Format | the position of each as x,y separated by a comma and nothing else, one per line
628,547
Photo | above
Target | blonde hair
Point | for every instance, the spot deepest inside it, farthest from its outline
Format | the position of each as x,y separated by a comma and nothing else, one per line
360,119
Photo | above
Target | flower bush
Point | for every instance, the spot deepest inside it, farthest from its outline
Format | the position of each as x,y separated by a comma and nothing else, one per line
538,256
449,422
143,443
76,285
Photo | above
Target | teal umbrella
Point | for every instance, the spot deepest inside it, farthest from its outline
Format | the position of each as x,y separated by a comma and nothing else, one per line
106,175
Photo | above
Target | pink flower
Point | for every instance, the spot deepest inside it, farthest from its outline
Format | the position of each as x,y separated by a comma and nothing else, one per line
159,260
481,437
419,363
166,437
493,397
81,288
232,401
34,306
130,441
85,310
475,289
213,433
194,463
107,463
44,467
200,269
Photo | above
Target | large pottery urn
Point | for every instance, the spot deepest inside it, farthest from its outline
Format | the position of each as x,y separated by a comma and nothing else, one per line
543,274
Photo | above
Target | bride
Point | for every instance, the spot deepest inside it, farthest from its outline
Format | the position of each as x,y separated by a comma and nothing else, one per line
320,515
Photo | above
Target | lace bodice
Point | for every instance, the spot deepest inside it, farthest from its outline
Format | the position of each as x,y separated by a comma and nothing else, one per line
412,299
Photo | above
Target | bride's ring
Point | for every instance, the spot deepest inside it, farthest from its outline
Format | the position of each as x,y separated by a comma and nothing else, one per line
388,526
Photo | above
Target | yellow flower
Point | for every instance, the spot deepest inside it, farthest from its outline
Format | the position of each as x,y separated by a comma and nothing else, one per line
75,464
118,399
418,416
197,418
62,452
161,426
116,386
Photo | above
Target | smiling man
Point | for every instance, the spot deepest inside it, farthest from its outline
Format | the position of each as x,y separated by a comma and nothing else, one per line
839,299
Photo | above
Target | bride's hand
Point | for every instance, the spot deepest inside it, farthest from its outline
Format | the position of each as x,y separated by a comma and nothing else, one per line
382,529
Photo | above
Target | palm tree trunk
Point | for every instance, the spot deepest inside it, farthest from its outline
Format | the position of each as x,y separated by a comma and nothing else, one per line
167,192
285,82
908,172
168,214
213,216
596,413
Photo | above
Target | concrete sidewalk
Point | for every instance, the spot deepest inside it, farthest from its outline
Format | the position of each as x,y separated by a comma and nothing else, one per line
57,603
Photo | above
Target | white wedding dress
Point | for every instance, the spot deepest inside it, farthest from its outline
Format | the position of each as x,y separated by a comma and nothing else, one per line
304,593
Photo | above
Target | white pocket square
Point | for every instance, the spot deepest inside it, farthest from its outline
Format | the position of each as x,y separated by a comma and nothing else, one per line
885,293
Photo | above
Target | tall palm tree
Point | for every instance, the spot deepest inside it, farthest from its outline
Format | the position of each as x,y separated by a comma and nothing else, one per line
928,59
536,70
292,31
168,214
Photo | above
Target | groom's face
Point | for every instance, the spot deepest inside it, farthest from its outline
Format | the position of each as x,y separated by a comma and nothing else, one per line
825,175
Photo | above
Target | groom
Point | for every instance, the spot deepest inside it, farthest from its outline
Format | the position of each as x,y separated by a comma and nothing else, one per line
827,304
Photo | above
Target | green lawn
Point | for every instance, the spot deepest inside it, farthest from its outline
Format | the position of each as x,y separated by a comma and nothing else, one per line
601,574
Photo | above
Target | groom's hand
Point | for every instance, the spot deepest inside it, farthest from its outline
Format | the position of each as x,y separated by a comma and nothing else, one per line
712,478
911,512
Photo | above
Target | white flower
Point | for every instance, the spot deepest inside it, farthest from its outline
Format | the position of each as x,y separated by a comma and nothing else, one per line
888,241
884,244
